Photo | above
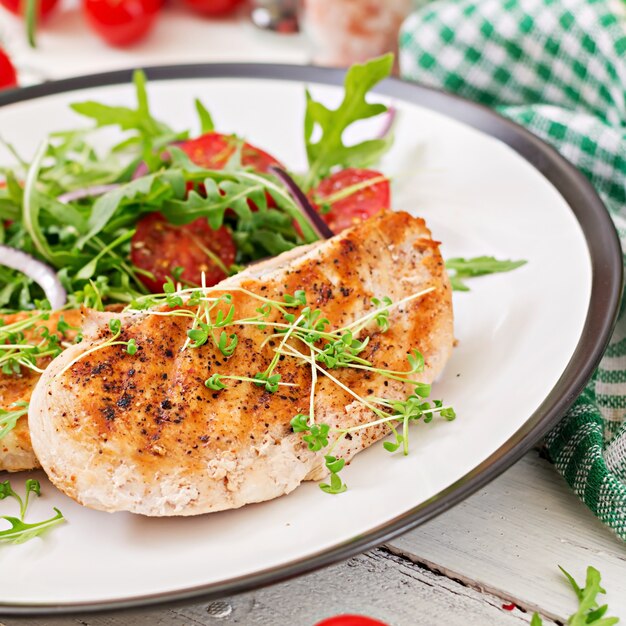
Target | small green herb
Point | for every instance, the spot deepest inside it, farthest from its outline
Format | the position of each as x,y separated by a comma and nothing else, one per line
300,423
589,611
227,343
215,382
317,437
21,531
270,382
336,485
382,316
298,298
460,269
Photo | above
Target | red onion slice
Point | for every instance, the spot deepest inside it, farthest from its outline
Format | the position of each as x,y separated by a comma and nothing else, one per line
390,118
306,208
41,273
86,192
142,170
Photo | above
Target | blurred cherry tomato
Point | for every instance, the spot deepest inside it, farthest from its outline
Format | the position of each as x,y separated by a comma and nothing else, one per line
121,22
18,6
213,7
8,76
351,620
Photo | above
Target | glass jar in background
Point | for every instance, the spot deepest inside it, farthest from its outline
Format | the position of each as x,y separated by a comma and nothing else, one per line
342,32
277,15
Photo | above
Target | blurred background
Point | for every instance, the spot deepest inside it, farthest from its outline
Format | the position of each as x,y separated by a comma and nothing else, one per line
47,39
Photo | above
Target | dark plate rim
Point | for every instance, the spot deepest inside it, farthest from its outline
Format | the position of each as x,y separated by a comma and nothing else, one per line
607,276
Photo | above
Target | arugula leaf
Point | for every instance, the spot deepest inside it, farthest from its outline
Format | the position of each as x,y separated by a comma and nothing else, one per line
588,613
9,418
329,150
206,121
20,530
162,185
459,269
139,119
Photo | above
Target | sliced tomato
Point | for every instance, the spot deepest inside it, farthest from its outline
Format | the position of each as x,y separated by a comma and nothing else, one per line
351,196
8,75
160,247
18,6
350,620
121,22
213,151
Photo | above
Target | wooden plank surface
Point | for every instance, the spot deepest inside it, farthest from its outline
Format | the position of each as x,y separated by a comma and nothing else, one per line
501,545
378,584
510,537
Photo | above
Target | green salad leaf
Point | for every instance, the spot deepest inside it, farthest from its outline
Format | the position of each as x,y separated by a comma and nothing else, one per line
329,150
9,417
139,119
20,530
460,269
206,121
589,611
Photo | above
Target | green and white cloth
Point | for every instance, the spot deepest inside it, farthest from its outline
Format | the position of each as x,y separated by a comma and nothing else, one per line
557,67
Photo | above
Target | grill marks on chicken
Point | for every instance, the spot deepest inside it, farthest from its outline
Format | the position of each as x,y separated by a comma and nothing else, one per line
142,433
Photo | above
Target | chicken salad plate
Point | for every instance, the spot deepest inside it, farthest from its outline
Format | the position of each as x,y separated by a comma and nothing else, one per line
257,318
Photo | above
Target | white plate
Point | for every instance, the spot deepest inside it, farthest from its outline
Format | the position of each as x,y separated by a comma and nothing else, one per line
527,340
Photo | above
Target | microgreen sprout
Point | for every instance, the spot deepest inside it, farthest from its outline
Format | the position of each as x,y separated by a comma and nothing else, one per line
215,381
115,328
335,486
382,316
227,343
302,327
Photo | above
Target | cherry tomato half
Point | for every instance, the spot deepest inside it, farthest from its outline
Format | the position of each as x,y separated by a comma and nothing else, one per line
213,7
351,196
121,22
159,247
351,620
213,150
18,6
8,75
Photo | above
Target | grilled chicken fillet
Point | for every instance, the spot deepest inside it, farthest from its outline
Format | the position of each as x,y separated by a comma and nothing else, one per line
143,433
16,451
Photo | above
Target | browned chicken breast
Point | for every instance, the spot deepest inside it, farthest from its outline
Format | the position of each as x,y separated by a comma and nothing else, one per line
142,432
16,451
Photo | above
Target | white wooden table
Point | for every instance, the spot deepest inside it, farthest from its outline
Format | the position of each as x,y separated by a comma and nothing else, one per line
500,546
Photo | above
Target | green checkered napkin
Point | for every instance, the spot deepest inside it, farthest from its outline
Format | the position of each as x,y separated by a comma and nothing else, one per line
558,68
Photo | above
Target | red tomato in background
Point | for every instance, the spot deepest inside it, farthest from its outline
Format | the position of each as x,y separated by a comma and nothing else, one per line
121,22
158,247
213,150
8,75
18,6
363,202
215,8
351,620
